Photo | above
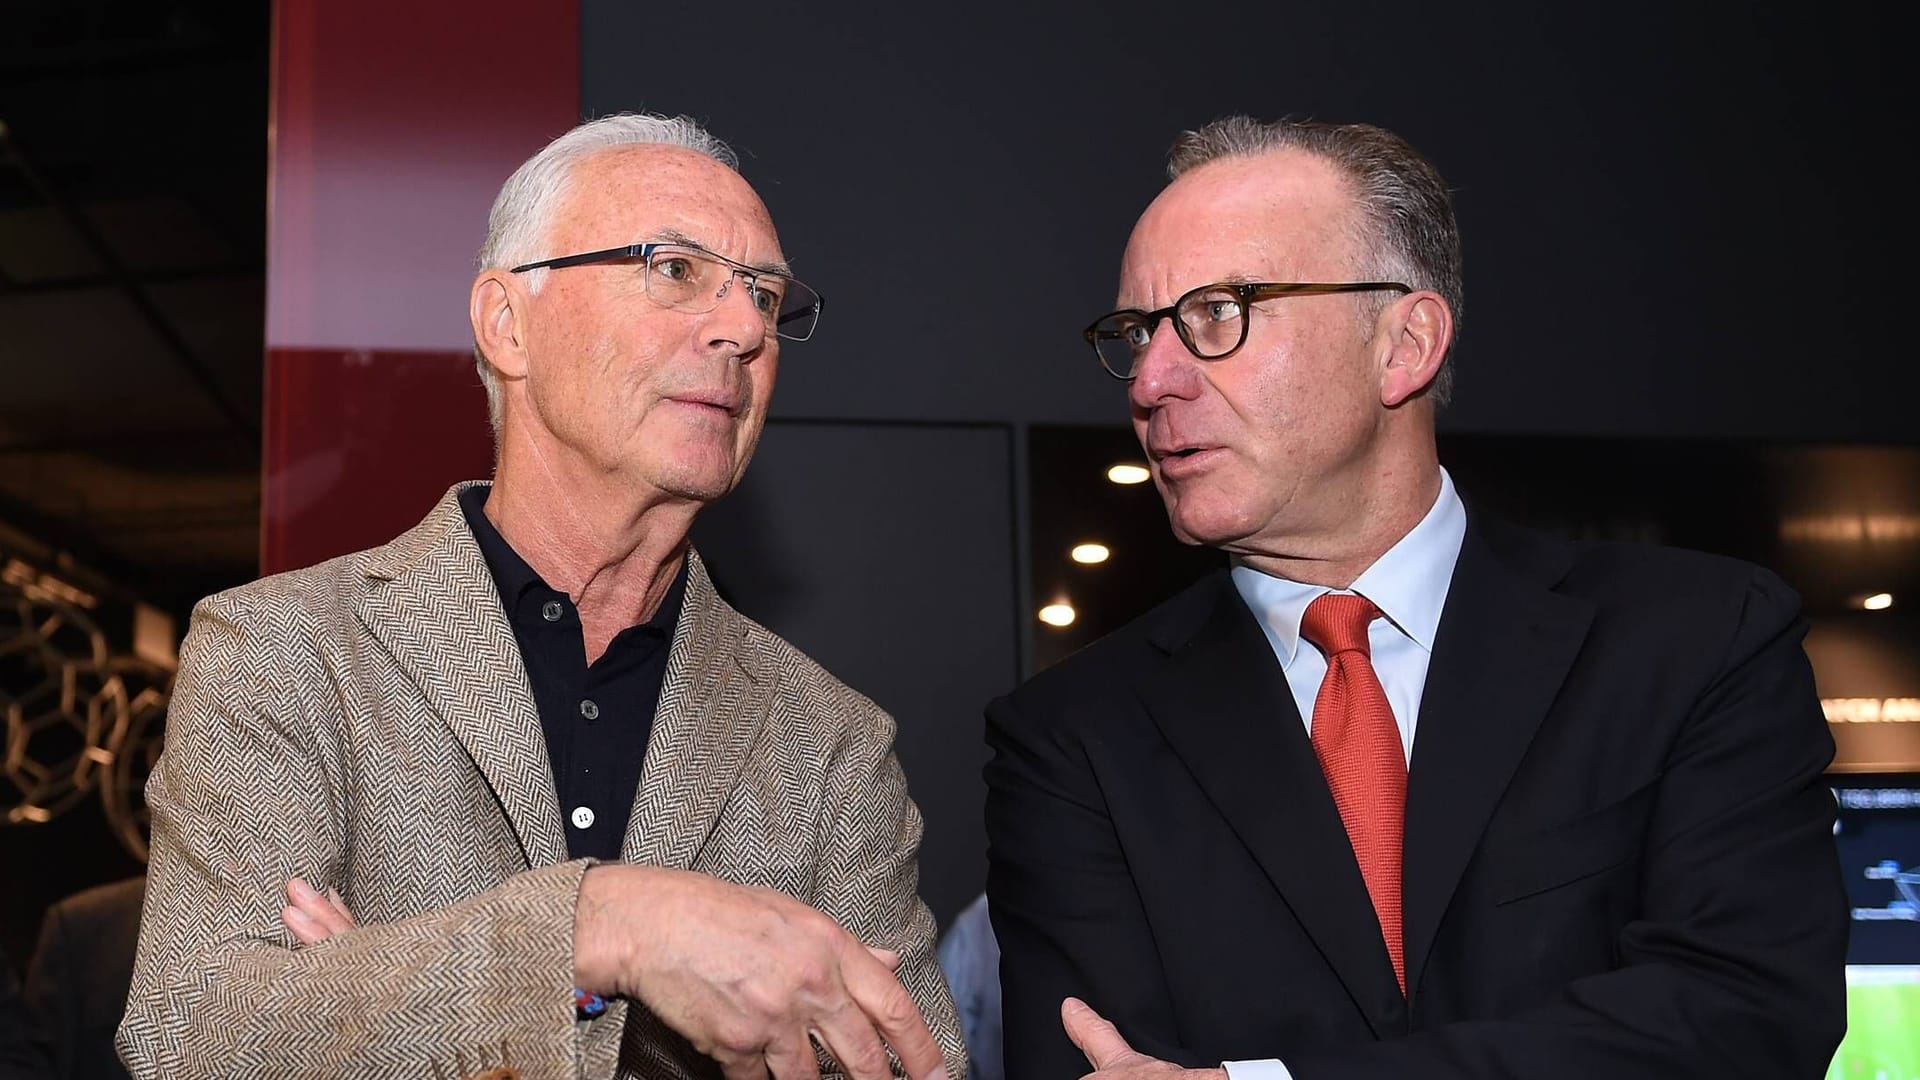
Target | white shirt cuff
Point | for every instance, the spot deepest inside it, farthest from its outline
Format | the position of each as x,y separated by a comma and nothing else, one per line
1269,1069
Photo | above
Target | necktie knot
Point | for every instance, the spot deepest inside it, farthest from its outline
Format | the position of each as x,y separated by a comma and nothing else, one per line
1337,623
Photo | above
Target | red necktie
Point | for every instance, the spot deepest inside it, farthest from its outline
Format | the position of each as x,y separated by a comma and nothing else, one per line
1358,744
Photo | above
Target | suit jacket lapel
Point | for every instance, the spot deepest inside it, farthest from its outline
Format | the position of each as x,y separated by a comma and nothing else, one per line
431,602
711,704
1504,646
1222,702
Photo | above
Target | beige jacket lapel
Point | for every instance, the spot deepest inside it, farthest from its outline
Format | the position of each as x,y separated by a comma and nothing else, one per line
711,704
429,599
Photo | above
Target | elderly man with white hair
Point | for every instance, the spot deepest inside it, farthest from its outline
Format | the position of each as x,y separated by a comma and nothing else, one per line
591,820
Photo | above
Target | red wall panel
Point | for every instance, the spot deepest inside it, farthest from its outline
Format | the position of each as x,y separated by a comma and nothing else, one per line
392,126
359,443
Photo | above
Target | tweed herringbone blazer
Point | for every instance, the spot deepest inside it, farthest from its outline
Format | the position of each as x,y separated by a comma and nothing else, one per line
367,724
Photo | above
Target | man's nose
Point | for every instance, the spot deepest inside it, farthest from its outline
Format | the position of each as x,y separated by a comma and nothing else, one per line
1165,368
736,320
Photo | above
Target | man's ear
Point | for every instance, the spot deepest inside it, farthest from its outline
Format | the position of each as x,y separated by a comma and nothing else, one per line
497,308
1420,327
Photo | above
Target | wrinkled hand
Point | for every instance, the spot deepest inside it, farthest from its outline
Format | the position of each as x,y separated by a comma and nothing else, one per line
313,917
748,975
1109,1054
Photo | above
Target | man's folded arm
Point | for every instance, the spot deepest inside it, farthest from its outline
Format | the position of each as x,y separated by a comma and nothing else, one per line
245,797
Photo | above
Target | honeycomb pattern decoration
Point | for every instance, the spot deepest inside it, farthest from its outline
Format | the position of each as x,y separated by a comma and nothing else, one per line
78,717
124,784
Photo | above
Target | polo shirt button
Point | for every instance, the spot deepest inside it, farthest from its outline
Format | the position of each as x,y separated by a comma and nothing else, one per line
582,817
589,710
551,611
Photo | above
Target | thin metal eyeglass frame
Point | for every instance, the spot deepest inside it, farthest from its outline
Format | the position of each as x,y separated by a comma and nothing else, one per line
645,251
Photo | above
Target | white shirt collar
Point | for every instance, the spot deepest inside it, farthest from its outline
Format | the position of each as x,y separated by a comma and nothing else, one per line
1408,583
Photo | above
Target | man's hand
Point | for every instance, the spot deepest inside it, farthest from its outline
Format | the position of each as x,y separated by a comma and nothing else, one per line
1109,1054
313,917
747,974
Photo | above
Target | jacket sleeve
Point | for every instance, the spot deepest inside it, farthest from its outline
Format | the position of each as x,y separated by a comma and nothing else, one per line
869,872
1735,963
1066,913
250,791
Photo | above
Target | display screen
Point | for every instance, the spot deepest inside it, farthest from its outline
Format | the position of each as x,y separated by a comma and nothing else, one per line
1879,839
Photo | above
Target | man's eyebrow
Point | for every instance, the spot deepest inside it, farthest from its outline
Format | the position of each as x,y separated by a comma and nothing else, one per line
782,268
674,236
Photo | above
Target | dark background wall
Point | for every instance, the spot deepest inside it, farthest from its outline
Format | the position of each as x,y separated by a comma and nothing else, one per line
1678,218
1677,225
885,552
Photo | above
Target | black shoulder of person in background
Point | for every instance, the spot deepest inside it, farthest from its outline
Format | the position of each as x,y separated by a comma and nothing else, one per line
77,983
19,1058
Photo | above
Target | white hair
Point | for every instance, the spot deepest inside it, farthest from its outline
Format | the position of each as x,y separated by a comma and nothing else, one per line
518,225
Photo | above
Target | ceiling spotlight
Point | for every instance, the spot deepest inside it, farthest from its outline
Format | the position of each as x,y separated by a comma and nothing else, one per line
1879,601
1129,474
1090,553
1057,615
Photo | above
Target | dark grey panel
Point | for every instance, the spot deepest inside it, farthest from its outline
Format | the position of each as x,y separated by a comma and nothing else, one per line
886,553
1675,215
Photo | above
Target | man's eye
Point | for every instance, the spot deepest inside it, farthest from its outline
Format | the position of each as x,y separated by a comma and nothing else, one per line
1137,335
766,300
1223,310
674,267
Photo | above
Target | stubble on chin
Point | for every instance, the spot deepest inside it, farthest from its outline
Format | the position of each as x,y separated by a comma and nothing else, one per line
695,482
1181,524
704,474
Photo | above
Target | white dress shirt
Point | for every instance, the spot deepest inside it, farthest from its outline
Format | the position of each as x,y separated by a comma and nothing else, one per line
1409,586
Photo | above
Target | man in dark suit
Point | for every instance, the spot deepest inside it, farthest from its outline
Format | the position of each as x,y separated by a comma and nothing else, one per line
1405,792
77,983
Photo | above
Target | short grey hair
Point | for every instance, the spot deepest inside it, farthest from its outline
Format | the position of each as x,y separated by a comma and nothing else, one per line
1406,208
518,225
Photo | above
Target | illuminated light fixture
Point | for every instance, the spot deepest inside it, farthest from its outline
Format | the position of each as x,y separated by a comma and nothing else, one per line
1090,553
1851,528
1057,614
1879,601
1129,474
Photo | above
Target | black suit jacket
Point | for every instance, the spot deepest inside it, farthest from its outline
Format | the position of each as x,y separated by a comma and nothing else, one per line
77,983
1618,853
